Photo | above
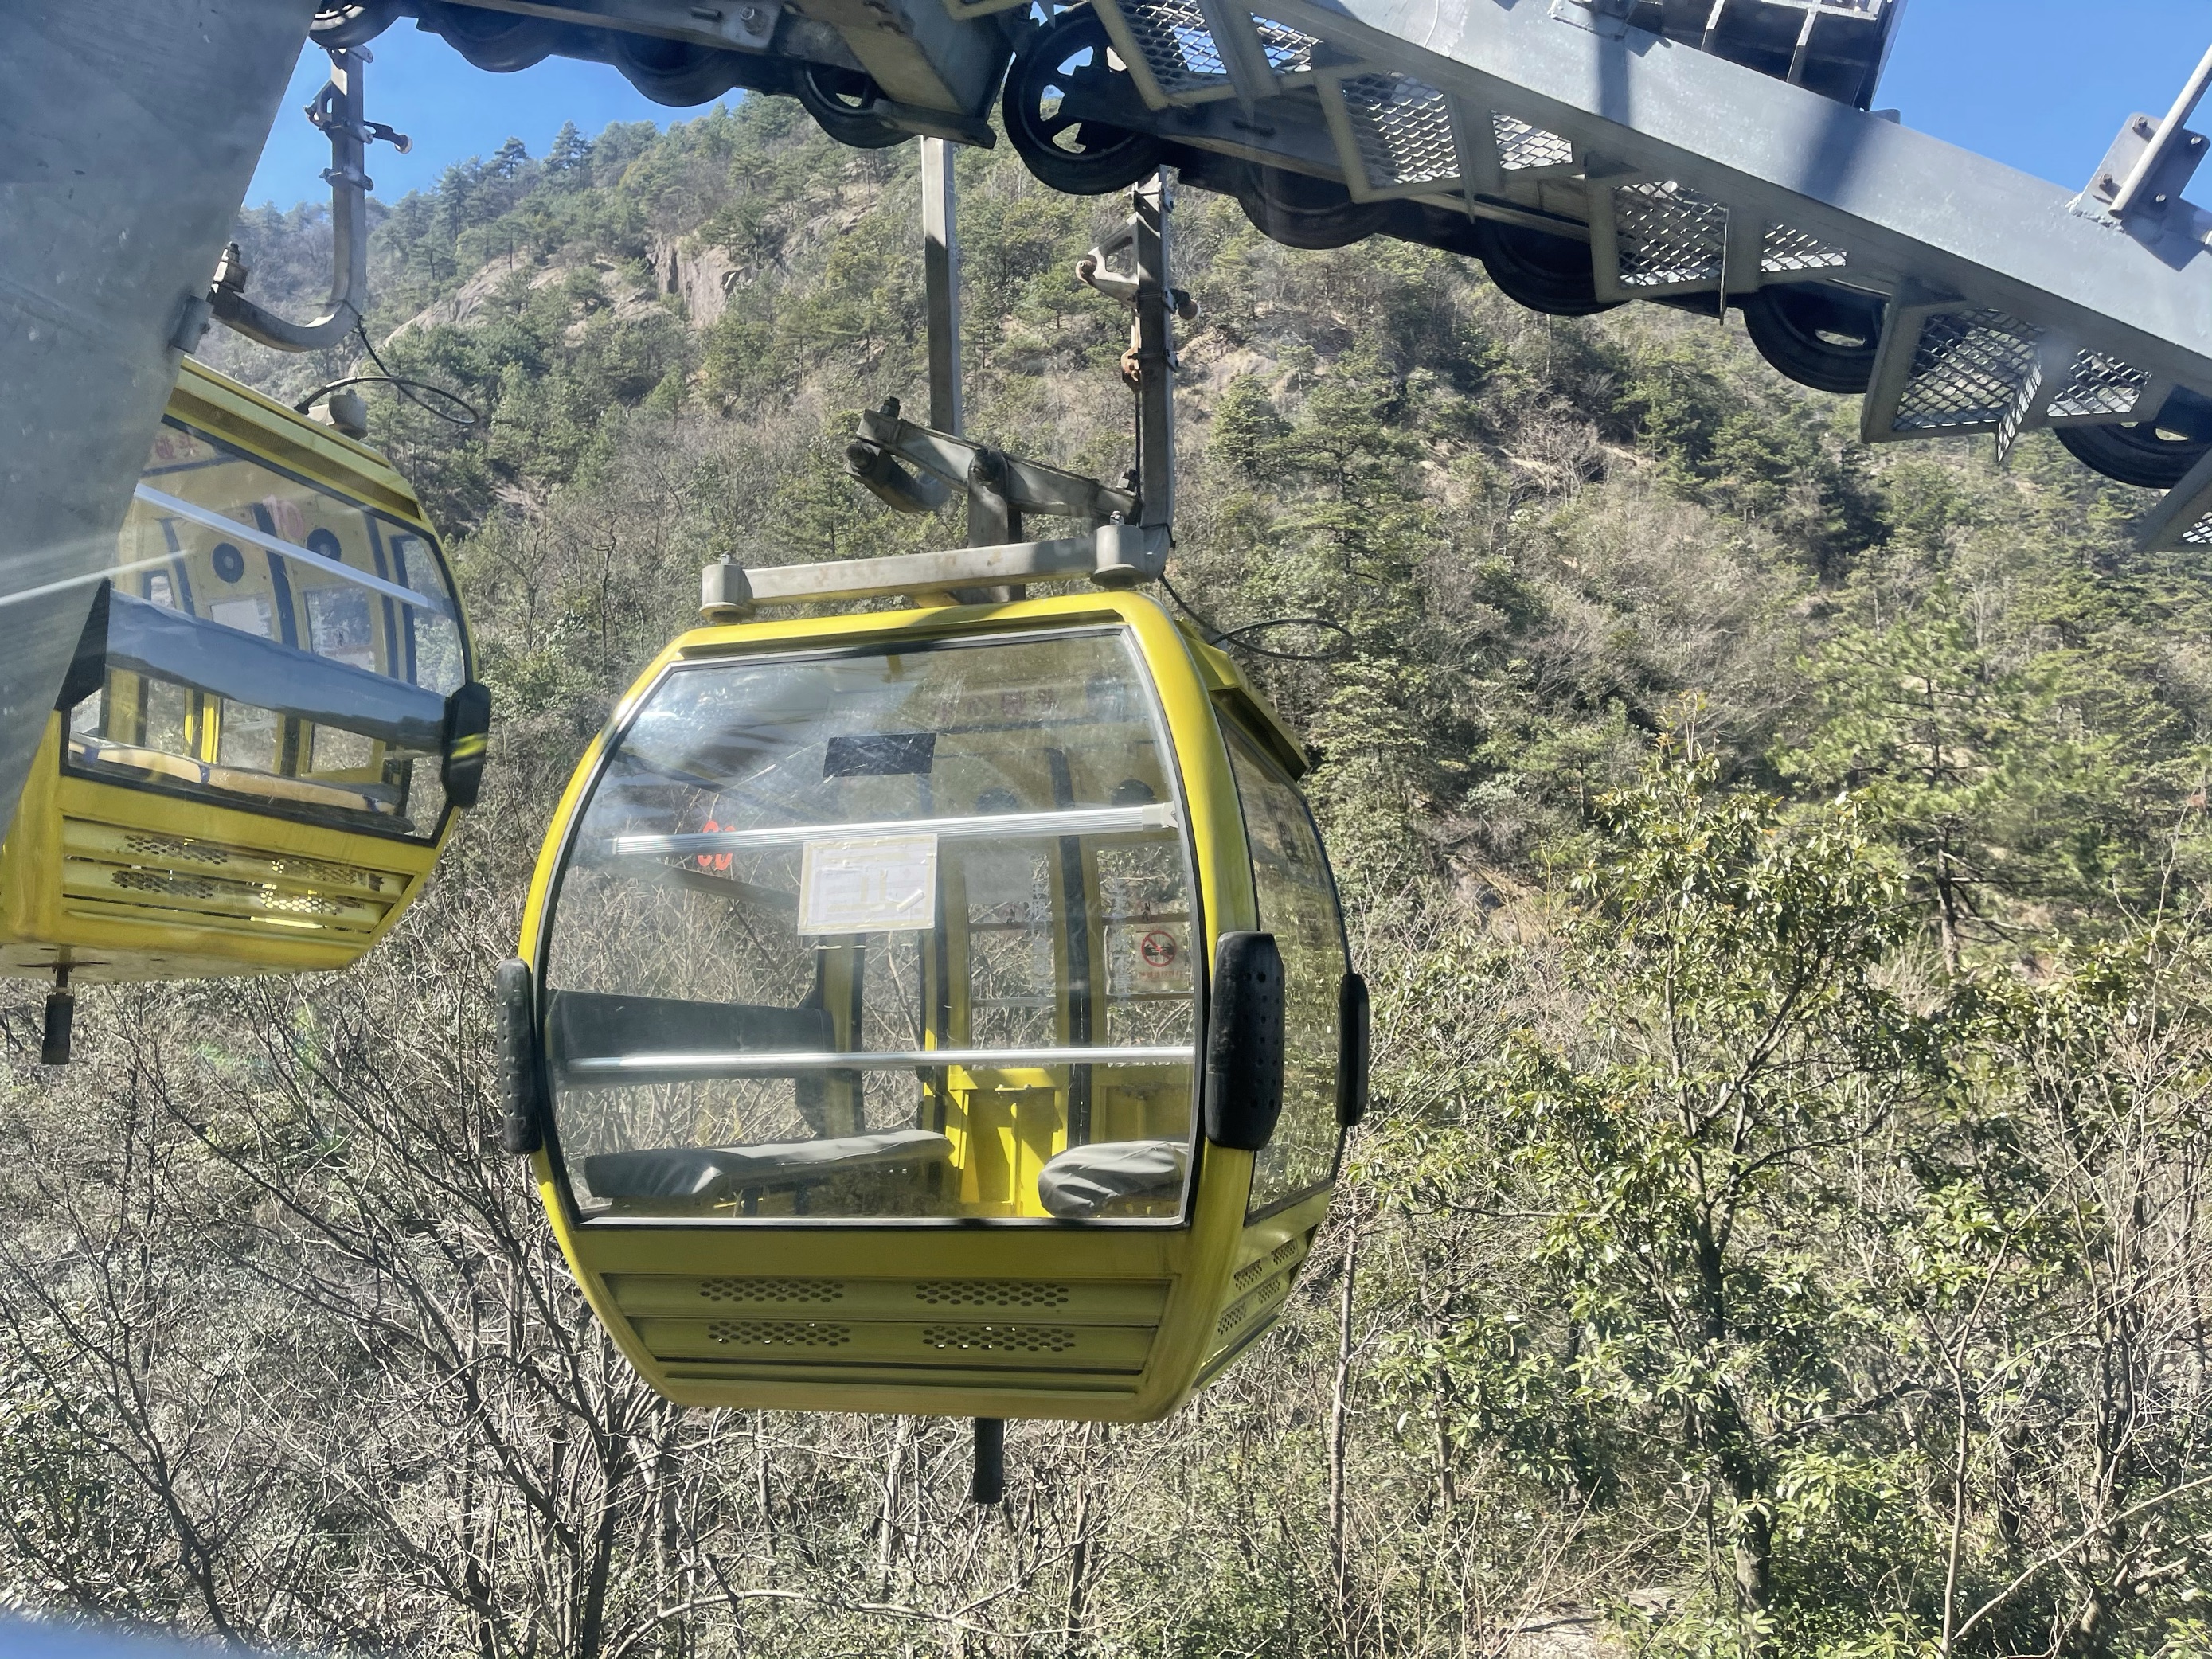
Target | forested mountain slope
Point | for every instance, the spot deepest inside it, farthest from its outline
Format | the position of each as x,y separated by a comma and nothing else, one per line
1778,865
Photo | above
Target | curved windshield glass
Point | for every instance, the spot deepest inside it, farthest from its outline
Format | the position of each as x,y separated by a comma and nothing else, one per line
900,932
267,642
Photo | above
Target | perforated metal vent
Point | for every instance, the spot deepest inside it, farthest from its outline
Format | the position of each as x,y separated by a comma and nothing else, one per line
1670,236
999,1338
1284,1251
1521,146
779,1333
161,881
1235,1314
176,847
1177,47
990,1294
1786,253
816,1290
2198,534
1402,129
1968,370
1252,1272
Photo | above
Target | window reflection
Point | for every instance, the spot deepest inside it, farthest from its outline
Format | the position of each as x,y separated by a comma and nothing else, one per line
881,934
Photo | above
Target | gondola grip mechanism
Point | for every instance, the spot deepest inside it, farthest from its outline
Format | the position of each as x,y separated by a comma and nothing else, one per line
1245,1042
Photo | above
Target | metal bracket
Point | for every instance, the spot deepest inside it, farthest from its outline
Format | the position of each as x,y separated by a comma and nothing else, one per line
337,111
949,462
2145,169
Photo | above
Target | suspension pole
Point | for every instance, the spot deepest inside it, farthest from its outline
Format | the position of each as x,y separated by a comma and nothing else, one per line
988,1483
940,260
1155,357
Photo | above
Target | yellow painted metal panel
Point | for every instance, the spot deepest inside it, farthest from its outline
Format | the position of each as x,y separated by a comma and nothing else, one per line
1023,1347
1179,1276
974,1301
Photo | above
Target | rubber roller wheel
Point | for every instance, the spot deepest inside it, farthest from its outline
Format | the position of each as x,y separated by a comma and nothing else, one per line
1300,210
2149,454
1545,273
495,41
844,105
1077,157
677,73
1821,336
337,27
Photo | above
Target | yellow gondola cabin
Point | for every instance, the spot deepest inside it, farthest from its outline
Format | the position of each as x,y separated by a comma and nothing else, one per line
900,1028
269,722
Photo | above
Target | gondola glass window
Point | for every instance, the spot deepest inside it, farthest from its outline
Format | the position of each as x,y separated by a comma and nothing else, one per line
271,644
882,933
1299,905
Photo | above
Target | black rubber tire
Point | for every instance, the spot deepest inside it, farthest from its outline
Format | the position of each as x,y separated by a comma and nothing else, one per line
1078,158
337,27
842,104
2149,454
1821,336
1545,273
1300,210
498,41
680,74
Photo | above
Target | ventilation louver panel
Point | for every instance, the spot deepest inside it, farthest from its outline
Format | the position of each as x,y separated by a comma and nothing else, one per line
114,873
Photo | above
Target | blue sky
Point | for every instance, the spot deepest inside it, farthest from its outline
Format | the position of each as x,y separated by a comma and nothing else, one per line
2042,85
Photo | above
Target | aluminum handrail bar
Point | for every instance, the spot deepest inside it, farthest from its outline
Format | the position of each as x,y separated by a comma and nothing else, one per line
744,1062
211,519
1078,821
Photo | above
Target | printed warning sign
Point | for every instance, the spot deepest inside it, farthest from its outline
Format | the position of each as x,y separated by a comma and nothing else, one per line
887,884
1145,955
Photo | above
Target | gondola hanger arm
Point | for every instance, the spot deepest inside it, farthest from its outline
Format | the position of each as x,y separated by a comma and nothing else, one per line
949,461
336,111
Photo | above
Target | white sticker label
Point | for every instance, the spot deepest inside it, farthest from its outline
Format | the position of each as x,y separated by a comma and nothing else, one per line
887,884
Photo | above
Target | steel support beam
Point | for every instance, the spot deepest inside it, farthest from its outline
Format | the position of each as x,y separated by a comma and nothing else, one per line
1906,204
129,131
940,273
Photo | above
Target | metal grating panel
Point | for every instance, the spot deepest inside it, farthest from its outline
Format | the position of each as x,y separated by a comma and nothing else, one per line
1521,146
2198,534
2098,387
1788,251
1402,128
1290,51
1177,47
1968,372
1670,237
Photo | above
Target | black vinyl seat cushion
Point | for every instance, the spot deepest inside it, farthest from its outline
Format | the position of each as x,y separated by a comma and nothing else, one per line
1084,1181
694,1174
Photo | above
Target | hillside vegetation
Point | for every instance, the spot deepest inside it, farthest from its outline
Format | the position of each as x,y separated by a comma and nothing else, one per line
1779,867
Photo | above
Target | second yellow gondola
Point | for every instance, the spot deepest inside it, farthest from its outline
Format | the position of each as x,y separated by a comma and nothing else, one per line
269,722
940,1011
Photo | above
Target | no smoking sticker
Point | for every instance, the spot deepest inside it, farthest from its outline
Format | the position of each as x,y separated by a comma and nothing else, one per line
1145,956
